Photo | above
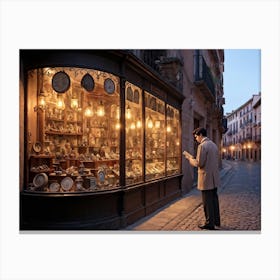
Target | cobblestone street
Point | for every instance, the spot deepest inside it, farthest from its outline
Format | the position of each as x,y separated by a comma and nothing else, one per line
240,203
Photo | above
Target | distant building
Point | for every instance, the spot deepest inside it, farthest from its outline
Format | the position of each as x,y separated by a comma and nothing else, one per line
242,140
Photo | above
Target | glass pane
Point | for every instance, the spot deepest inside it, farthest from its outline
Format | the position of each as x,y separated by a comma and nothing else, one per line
155,137
172,141
134,134
73,128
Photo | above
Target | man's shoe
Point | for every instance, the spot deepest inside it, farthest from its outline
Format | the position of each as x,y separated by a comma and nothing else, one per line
218,225
206,227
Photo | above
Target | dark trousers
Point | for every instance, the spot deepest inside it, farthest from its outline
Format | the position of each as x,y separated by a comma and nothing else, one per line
211,207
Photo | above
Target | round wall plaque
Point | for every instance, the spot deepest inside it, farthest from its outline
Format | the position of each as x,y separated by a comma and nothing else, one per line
109,86
60,82
87,82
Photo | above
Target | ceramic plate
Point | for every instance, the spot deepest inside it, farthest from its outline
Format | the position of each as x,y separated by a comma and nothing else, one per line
67,183
40,180
54,187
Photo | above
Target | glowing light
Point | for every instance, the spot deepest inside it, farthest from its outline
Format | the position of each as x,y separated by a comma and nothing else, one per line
74,103
88,111
128,112
138,124
100,110
157,124
60,103
150,122
42,102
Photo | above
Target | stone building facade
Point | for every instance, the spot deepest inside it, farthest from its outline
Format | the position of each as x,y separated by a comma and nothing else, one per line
242,141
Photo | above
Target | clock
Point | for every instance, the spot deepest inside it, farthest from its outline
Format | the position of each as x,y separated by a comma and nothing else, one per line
60,82
109,86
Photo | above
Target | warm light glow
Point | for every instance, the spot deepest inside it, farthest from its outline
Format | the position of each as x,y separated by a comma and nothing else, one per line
232,148
60,103
249,146
132,126
118,113
88,111
139,124
100,110
118,126
42,102
168,129
128,113
74,103
150,122
157,124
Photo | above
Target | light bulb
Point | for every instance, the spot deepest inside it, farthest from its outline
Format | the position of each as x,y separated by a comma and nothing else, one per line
128,113
139,124
157,124
100,110
74,103
60,103
150,123
88,111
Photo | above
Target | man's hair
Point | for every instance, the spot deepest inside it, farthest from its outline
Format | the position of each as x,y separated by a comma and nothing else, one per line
200,130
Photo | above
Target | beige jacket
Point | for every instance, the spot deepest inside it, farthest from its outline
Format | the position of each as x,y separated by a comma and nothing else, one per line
207,161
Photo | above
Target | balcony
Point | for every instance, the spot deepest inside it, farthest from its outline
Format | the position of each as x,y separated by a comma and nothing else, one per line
203,78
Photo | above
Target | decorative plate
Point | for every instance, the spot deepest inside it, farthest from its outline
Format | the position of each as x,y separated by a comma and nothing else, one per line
67,183
37,147
109,86
54,187
40,180
87,82
60,82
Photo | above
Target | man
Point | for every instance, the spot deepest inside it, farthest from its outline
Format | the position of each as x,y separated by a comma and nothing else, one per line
207,161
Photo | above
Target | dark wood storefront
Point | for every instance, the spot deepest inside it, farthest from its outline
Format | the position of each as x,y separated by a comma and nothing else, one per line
101,209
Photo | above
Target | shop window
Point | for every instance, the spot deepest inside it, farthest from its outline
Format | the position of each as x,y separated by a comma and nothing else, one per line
134,135
73,130
172,141
155,137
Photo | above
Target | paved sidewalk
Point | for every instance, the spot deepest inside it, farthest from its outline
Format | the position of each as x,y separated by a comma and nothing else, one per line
185,212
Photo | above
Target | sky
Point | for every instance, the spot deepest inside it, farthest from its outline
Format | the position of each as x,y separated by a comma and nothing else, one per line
242,76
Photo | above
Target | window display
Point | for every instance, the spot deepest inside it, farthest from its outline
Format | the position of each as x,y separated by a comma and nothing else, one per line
155,137
73,129
134,135
172,141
